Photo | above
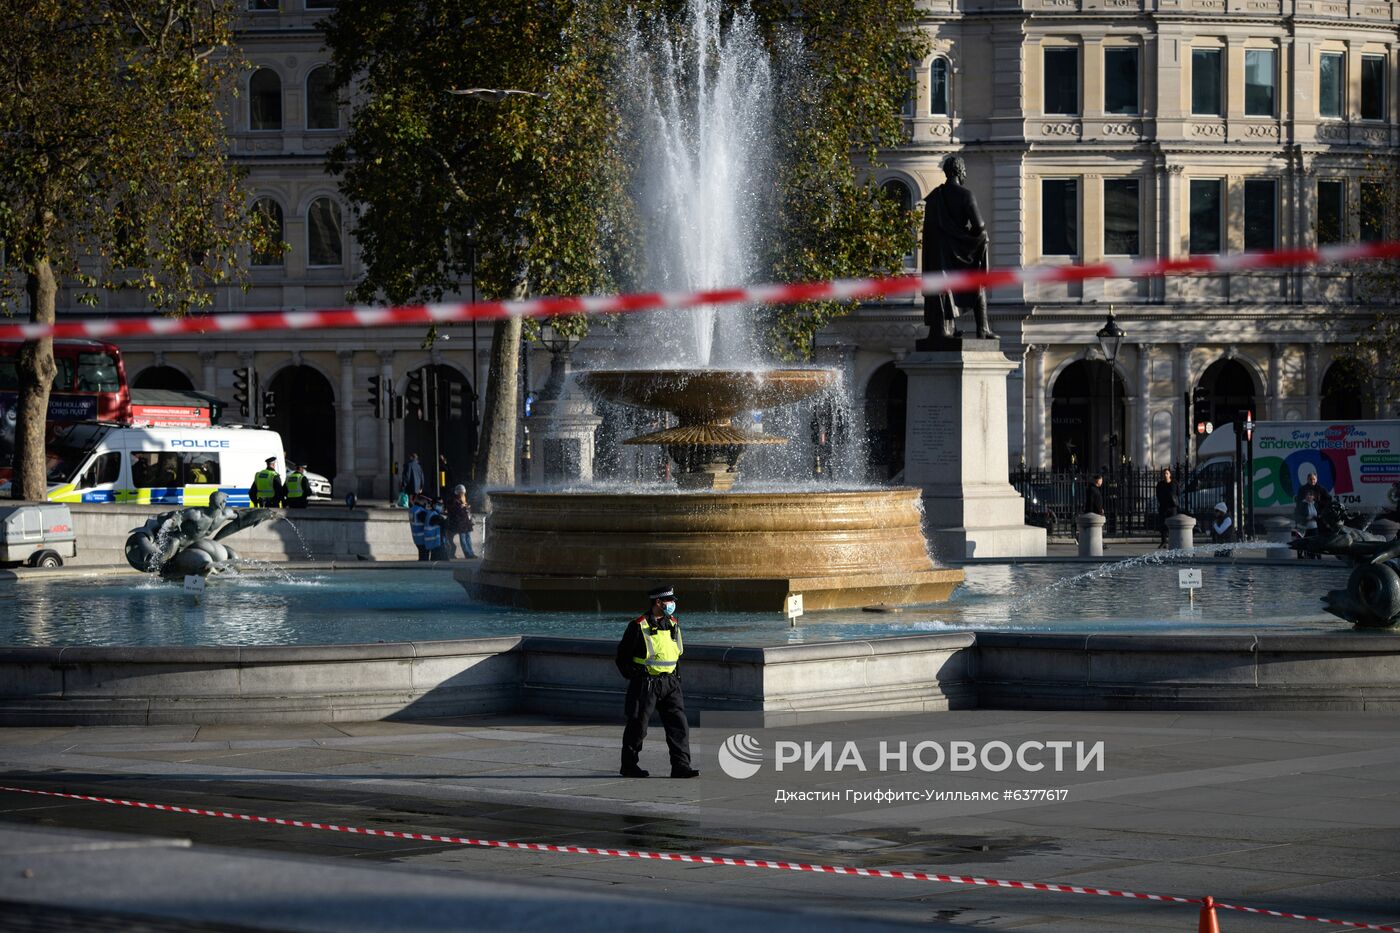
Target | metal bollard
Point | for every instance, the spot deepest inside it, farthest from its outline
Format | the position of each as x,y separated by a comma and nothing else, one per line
1279,531
1181,532
1091,534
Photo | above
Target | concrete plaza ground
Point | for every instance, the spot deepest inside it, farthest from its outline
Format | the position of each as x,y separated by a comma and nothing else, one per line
1296,811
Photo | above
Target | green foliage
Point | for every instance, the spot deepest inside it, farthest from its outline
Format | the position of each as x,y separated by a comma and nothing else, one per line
528,186
112,148
1375,344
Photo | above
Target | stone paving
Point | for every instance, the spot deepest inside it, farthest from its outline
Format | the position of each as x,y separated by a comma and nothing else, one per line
1292,811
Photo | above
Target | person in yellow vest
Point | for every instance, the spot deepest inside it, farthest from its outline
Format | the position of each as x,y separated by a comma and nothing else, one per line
297,490
267,486
648,656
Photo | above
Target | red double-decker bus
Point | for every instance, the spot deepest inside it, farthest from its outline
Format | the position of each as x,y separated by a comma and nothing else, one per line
90,385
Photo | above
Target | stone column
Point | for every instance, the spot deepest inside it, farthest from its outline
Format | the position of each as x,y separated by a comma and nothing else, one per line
1275,406
1313,380
346,479
956,452
383,479
1181,430
1035,375
1142,448
210,377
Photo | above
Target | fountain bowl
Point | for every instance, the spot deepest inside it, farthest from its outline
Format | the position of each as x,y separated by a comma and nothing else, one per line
703,395
722,551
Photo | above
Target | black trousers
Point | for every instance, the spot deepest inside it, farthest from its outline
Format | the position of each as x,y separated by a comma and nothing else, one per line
663,694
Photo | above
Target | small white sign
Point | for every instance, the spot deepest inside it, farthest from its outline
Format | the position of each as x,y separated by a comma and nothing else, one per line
794,605
1189,579
194,585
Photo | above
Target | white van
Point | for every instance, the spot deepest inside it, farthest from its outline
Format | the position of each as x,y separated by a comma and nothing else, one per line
160,466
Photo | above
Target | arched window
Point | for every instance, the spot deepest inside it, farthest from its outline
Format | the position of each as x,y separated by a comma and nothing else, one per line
322,106
271,253
899,191
264,100
323,239
938,96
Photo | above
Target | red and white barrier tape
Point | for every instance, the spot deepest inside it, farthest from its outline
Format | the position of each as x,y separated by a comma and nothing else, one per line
702,859
834,290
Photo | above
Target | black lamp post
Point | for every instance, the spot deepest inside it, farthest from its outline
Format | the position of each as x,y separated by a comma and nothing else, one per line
560,346
1111,340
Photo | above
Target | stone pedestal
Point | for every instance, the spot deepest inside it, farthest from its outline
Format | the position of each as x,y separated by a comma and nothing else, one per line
956,453
1181,532
1091,534
561,441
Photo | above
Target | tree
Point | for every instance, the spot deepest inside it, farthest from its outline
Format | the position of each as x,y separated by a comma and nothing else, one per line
1375,324
112,170
530,178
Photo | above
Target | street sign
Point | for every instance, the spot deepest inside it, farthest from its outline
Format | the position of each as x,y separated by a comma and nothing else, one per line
1189,579
794,605
194,585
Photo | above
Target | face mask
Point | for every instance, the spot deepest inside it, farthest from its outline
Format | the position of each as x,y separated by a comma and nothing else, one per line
669,607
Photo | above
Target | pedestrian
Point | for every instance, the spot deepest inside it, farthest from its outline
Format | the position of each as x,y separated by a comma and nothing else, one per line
267,489
1167,503
435,537
1311,487
1093,495
1306,517
297,488
412,478
459,520
418,525
648,656
1222,529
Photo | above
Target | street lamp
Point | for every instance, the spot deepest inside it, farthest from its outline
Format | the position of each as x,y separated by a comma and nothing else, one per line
1111,341
560,345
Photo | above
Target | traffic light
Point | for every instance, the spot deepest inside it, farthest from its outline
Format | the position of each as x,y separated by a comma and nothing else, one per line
242,385
269,405
456,398
414,392
397,408
376,395
1200,405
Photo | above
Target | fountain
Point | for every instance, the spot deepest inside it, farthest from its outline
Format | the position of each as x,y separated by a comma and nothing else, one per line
189,542
702,109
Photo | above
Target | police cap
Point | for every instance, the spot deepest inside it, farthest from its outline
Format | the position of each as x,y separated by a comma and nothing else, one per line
662,592
270,461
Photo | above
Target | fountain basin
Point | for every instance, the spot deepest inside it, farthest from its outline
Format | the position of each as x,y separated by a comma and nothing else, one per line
731,551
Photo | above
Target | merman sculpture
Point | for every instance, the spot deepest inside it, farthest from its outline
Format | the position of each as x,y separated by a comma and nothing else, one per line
1372,595
189,541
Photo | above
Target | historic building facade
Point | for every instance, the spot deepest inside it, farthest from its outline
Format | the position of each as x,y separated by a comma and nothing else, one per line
1090,129
1098,129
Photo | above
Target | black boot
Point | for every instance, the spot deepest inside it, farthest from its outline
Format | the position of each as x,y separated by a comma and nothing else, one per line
634,772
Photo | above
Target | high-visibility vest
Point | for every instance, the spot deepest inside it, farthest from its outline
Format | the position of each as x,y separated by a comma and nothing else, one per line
663,646
432,532
265,484
417,515
294,482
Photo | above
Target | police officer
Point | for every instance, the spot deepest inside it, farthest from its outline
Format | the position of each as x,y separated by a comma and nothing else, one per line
418,525
267,486
647,656
298,490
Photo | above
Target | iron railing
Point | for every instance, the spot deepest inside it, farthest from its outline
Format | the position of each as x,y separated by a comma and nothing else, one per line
1055,498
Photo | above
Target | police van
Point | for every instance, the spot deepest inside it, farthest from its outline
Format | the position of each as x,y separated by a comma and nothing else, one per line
160,466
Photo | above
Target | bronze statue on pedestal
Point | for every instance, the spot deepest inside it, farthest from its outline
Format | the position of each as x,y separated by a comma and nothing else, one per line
955,240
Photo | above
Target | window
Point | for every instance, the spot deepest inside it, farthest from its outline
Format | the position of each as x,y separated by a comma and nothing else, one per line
1260,214
899,191
321,4
199,469
1059,217
97,372
271,213
322,106
1330,77
323,241
105,469
264,6
1061,80
1206,85
264,100
1120,80
1260,82
1121,217
1205,216
1331,211
1373,87
1373,202
938,87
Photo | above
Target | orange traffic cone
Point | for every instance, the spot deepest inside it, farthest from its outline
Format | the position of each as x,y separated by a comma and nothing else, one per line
1208,922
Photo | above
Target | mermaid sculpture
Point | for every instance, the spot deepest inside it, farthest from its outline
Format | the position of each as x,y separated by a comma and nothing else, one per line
1372,595
189,541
